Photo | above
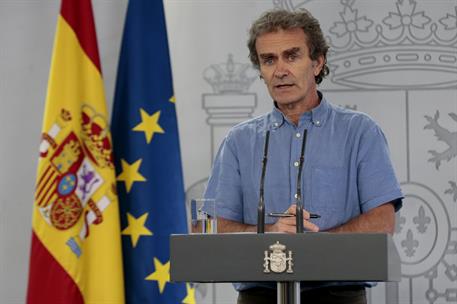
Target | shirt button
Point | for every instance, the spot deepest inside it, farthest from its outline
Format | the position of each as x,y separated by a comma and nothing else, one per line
276,124
296,195
317,122
298,134
296,164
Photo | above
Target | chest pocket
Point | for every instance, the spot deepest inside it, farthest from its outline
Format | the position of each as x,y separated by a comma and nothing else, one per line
329,196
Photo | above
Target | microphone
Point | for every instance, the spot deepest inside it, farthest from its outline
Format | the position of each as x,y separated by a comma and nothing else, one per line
261,206
299,210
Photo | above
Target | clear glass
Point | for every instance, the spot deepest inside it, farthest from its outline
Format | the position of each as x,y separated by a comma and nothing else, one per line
203,213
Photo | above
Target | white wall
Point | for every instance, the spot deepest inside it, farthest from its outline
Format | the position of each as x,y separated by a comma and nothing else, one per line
202,33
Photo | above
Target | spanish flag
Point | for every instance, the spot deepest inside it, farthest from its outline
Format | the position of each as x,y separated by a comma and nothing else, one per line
76,249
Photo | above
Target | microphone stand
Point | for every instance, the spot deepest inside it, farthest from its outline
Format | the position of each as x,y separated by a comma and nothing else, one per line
261,206
299,210
289,292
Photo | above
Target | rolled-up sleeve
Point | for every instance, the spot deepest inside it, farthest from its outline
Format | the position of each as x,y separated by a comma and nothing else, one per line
224,184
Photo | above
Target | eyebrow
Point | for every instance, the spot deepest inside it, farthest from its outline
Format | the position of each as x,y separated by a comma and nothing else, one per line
290,51
267,55
293,50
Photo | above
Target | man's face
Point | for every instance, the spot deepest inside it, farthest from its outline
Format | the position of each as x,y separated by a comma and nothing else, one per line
286,67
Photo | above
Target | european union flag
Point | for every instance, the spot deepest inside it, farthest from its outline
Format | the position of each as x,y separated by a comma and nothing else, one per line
147,158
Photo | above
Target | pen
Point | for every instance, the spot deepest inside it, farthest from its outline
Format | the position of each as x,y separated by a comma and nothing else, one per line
277,214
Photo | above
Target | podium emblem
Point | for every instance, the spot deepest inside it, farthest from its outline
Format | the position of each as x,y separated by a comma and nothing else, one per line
276,260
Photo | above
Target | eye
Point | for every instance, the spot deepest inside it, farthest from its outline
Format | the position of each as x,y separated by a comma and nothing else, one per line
291,57
268,61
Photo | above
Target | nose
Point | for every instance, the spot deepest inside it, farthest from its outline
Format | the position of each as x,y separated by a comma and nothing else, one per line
281,70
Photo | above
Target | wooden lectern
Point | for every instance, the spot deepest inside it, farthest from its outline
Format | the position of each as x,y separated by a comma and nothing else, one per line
284,258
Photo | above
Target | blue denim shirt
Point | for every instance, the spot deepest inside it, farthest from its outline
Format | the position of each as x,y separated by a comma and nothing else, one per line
347,169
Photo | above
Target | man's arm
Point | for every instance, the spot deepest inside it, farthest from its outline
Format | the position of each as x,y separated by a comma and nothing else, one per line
379,219
285,224
228,226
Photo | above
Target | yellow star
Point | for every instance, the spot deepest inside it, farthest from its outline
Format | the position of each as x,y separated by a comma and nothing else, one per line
190,297
136,228
149,125
172,99
161,274
130,174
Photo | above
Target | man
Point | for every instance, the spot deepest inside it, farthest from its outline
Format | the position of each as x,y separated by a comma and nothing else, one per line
347,176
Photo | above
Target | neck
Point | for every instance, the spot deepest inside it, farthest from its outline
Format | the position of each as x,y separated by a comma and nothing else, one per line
293,111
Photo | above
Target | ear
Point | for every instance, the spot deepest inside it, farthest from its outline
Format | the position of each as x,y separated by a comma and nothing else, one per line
318,64
261,77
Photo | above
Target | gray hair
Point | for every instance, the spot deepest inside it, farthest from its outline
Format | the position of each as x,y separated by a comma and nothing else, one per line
274,20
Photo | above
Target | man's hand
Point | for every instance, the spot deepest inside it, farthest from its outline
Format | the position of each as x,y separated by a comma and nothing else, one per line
288,224
284,224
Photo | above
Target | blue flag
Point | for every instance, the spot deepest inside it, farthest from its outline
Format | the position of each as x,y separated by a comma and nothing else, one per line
147,157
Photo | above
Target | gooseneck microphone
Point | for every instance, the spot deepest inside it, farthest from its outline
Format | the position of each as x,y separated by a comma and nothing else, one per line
261,206
299,210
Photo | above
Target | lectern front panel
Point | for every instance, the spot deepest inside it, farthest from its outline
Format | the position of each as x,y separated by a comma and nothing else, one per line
284,257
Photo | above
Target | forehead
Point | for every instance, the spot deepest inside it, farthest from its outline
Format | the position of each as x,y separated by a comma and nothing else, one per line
281,40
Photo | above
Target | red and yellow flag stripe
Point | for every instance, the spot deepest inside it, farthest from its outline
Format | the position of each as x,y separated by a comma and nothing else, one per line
76,251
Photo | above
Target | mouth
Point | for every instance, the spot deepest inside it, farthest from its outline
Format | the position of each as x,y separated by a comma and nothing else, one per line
283,86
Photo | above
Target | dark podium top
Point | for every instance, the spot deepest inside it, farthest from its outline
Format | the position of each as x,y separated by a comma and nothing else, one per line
316,257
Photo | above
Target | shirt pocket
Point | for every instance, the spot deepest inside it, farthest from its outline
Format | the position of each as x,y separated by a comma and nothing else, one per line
328,196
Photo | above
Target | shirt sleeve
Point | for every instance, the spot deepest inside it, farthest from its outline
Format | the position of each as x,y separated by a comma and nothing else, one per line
224,184
376,179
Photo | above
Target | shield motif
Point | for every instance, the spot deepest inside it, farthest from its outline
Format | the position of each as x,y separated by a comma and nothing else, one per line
278,262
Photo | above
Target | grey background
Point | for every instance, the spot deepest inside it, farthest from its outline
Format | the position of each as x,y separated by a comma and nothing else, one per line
402,68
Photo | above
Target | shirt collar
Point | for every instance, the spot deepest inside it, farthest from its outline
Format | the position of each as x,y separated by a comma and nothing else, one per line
318,115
